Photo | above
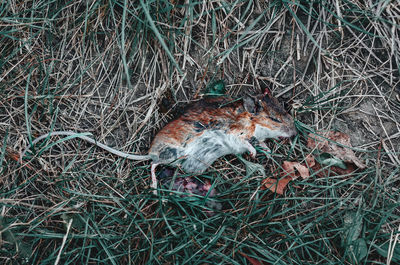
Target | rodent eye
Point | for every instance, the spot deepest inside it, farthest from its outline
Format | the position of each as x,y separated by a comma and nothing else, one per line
275,120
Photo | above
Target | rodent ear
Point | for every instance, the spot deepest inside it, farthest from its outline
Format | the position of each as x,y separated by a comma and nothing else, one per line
249,105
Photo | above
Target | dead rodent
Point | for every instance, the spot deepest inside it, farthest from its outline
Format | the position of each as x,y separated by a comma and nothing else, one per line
208,129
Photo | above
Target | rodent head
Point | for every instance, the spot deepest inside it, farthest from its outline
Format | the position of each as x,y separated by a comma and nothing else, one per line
271,120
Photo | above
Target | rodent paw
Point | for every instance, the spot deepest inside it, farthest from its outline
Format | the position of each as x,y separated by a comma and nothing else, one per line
264,146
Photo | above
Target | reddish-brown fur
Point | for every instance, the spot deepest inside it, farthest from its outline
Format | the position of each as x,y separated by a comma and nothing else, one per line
177,130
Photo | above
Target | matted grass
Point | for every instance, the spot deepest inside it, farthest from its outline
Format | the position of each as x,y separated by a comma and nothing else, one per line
119,69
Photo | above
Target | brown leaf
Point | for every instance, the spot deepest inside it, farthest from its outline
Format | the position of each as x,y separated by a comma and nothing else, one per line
290,167
253,261
310,160
291,171
343,153
276,186
350,167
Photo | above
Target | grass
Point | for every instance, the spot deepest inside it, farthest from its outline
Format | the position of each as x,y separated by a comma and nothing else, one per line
119,69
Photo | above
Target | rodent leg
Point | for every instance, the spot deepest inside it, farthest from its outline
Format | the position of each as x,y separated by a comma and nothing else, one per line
154,178
264,146
255,142
251,149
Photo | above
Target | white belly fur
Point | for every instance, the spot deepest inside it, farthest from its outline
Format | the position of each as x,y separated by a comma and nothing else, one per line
208,147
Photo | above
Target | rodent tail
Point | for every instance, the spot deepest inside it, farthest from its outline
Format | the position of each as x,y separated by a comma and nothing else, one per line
90,140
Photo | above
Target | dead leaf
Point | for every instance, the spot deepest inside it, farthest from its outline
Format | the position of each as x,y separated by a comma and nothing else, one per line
290,167
274,185
291,171
344,153
322,173
310,160
253,261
